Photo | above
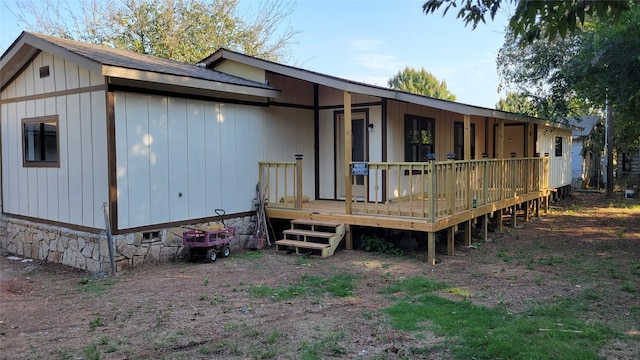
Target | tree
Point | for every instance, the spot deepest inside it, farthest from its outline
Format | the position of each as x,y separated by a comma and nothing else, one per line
518,103
420,82
535,19
579,74
181,30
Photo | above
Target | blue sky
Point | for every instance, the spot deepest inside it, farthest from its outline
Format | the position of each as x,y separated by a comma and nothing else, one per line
371,40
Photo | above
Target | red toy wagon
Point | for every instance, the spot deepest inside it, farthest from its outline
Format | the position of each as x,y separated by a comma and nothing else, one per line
209,242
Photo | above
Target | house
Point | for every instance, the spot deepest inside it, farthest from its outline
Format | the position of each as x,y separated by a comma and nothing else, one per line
90,133
585,166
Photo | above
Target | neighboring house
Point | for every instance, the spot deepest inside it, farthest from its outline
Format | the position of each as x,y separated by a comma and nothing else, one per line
164,144
585,165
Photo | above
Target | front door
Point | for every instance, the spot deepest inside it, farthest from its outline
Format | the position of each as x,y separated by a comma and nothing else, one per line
358,153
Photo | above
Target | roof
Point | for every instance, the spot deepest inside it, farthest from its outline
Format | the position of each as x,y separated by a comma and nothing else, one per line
373,90
123,64
584,124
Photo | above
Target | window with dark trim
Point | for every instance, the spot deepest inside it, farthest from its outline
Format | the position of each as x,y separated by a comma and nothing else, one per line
418,138
40,141
558,145
458,140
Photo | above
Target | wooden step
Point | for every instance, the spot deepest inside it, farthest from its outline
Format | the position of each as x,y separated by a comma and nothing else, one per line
315,223
309,233
301,244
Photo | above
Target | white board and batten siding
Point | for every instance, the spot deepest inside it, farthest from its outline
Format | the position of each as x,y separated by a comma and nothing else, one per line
179,159
559,166
72,193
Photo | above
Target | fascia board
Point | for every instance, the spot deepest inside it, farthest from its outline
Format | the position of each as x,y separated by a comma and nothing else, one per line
132,74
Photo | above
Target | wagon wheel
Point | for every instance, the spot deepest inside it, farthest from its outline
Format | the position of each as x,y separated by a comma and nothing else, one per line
212,255
226,251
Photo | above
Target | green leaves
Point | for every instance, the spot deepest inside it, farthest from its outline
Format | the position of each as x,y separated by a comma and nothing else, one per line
181,30
535,19
420,82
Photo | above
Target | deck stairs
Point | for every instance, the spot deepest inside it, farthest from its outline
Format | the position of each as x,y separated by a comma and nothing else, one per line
312,236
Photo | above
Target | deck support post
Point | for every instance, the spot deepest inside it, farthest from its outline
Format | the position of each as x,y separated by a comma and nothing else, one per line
499,216
348,238
536,207
546,204
467,234
450,240
514,209
485,227
527,206
431,248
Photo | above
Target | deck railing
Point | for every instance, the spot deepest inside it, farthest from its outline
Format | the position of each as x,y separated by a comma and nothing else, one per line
432,190
428,190
277,183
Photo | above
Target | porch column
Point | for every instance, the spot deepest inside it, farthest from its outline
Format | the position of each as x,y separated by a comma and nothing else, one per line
467,157
500,141
500,155
347,151
527,154
467,137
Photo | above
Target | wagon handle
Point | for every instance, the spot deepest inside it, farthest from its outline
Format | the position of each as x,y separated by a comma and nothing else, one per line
221,213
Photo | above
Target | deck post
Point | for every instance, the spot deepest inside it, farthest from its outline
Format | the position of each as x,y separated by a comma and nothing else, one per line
485,227
513,216
348,156
432,192
467,233
500,224
298,196
536,207
526,210
450,240
450,195
348,238
431,248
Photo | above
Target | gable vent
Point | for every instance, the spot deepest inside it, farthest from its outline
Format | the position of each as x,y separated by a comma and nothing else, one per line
44,72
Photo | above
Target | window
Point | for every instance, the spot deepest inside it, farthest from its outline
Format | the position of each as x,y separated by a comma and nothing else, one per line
418,138
458,140
40,141
558,145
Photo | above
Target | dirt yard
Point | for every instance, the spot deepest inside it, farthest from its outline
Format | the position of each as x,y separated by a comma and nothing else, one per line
208,311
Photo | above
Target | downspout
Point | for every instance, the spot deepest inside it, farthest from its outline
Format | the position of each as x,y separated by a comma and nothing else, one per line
107,229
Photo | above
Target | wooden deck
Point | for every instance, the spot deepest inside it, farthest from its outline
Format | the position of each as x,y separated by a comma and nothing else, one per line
330,210
421,197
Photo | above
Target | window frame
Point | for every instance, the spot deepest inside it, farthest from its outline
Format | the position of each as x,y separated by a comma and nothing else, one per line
558,144
429,124
41,120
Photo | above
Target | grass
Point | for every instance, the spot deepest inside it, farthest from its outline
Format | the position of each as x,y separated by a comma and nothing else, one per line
472,331
91,352
97,322
327,346
95,286
339,285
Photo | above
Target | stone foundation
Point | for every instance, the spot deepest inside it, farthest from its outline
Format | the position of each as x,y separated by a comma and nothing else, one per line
90,252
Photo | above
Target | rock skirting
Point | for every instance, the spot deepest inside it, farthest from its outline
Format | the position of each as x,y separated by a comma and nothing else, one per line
88,251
